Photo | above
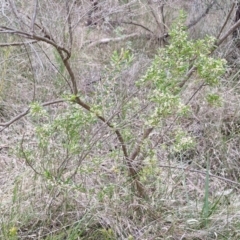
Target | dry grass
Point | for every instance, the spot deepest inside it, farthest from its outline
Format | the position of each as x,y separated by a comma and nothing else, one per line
97,201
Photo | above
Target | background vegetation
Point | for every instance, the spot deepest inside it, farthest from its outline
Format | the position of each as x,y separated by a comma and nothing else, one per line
119,119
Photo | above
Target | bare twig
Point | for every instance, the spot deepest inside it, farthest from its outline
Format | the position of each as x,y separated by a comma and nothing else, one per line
163,17
139,25
4,29
34,15
228,17
42,29
217,44
137,148
108,40
33,73
55,67
27,160
154,14
70,72
195,92
187,169
133,173
62,52
15,12
193,23
7,124
17,43
228,33
69,21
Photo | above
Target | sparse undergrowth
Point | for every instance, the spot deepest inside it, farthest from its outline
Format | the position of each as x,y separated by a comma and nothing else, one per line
120,146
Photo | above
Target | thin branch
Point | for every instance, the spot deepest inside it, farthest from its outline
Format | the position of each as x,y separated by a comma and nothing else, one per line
193,23
119,136
154,14
70,72
217,44
187,169
15,12
108,40
195,92
46,55
17,43
188,75
7,124
95,137
132,172
69,21
163,17
33,36
27,160
139,25
137,148
228,33
34,16
42,29
33,73
228,17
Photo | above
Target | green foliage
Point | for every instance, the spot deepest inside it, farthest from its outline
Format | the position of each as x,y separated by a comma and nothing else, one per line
65,128
214,99
182,142
69,131
150,169
172,66
106,192
60,77
106,234
59,62
36,110
63,138
13,233
209,207
5,55
122,59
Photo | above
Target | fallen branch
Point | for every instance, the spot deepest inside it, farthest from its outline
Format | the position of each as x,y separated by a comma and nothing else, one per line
109,40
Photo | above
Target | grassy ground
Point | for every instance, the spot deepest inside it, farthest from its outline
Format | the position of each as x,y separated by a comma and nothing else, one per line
84,192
